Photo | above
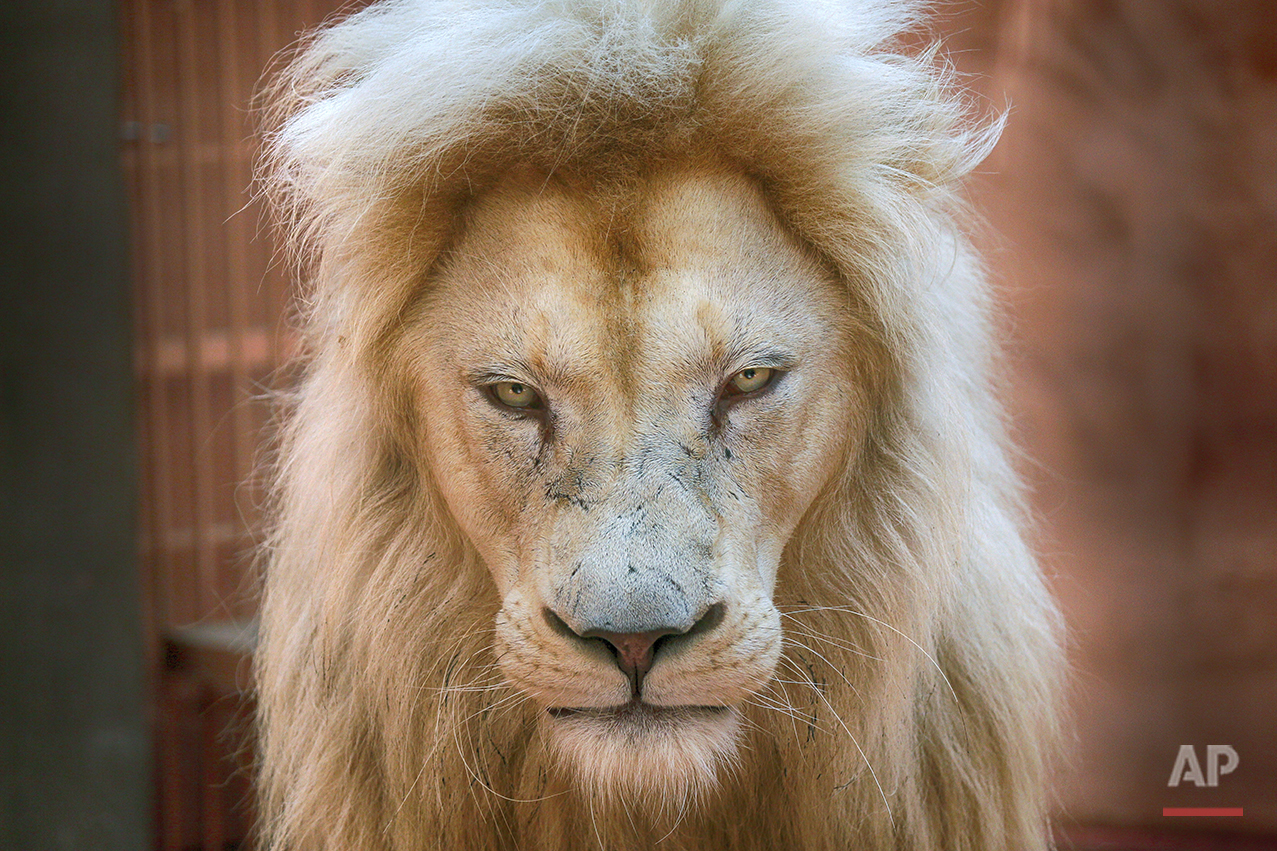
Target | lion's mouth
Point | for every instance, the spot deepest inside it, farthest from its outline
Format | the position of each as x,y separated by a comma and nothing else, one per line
638,712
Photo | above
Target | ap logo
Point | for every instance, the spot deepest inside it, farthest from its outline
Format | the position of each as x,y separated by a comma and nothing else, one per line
1220,759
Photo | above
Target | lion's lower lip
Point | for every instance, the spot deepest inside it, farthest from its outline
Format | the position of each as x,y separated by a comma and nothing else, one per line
636,710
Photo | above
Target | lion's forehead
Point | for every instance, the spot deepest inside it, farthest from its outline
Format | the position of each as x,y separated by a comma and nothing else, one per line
645,297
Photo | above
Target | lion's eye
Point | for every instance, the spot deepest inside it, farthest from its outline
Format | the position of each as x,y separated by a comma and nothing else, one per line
515,394
752,379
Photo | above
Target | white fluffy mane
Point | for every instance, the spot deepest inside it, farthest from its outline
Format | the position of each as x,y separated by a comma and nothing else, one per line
914,707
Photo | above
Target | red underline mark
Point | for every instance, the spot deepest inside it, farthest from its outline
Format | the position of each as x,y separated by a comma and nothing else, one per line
1201,811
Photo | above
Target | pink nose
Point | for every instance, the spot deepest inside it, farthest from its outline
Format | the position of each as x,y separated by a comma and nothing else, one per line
634,650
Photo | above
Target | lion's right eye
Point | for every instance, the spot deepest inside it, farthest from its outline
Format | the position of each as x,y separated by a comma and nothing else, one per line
752,380
516,394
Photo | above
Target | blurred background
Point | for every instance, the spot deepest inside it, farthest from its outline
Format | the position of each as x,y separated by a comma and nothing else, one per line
1131,230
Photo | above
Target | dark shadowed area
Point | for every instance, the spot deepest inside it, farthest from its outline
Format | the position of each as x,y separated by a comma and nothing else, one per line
76,755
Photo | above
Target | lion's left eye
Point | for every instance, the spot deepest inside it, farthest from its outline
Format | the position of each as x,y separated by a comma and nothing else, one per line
752,379
515,394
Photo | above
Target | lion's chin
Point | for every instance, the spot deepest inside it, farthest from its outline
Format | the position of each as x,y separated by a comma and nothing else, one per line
660,755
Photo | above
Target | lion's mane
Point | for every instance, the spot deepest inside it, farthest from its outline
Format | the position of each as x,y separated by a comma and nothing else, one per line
913,707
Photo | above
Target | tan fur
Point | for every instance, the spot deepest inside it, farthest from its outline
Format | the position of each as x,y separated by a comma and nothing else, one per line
622,205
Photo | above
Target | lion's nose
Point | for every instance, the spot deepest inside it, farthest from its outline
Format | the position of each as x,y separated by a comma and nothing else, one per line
635,652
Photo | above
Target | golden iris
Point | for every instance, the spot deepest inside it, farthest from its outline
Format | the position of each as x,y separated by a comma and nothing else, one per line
515,394
754,378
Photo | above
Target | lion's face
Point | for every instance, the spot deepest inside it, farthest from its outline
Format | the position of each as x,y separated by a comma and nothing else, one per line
628,404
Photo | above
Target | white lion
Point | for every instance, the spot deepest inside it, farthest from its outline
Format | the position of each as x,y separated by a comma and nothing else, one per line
645,487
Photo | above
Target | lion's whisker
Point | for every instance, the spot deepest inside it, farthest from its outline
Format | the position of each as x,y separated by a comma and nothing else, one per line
805,719
921,649
518,698
788,709
809,631
830,665
821,694
594,823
